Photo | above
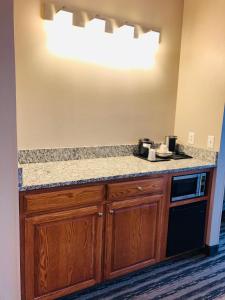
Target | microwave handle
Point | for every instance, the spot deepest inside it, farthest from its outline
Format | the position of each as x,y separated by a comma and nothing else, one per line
202,180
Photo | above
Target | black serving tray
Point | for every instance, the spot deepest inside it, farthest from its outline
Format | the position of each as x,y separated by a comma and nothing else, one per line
158,159
175,156
181,155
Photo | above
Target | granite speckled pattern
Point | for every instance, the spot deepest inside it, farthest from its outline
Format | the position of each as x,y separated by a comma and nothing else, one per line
202,154
63,154
64,173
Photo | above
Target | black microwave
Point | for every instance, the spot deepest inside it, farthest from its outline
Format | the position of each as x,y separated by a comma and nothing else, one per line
188,186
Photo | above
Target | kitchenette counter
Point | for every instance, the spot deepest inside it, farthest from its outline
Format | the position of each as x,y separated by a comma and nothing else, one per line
101,205
64,173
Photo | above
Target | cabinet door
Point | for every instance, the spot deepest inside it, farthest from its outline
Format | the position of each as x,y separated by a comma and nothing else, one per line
62,252
133,234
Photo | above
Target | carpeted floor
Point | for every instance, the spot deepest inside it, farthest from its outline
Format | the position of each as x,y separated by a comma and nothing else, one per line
188,277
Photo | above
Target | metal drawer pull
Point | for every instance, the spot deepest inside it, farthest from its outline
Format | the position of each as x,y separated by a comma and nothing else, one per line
111,211
100,214
140,188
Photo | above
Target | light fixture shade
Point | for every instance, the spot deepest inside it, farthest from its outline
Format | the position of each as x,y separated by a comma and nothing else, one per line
139,30
111,25
81,18
48,11
155,36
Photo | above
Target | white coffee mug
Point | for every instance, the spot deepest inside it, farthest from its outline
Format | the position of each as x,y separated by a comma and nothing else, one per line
163,148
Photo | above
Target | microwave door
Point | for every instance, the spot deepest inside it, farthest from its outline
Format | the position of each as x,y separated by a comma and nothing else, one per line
185,187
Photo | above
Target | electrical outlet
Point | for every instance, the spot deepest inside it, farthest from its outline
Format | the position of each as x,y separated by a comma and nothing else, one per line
211,141
191,138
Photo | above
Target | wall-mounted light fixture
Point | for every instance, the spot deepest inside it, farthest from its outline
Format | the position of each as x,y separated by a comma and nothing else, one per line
98,39
81,18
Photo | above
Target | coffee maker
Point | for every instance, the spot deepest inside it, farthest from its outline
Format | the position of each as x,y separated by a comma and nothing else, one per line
143,146
171,142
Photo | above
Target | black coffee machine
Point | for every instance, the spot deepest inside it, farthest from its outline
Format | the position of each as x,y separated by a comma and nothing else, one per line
142,150
171,142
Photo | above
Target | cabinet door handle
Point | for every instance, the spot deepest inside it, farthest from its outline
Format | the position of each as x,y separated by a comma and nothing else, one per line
111,211
140,188
100,214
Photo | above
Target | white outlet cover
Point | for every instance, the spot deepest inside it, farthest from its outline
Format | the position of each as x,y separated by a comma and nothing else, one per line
191,138
211,141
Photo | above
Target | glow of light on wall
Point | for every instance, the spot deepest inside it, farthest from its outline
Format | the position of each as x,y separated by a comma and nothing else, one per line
92,44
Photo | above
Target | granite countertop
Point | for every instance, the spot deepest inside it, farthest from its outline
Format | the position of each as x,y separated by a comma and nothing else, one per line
63,173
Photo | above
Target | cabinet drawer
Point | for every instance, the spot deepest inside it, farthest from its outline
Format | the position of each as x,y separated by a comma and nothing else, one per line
119,191
46,201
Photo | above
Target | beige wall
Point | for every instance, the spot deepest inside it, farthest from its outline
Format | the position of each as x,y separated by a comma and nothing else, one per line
201,90
65,103
9,202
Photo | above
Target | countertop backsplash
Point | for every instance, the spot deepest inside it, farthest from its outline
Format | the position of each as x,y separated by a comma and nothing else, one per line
66,154
199,153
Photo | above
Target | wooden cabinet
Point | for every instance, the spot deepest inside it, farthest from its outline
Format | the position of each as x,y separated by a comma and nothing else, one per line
73,238
63,252
133,235
61,241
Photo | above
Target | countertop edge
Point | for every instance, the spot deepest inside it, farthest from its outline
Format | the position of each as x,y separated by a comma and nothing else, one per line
109,178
